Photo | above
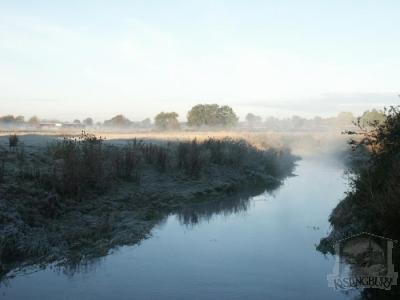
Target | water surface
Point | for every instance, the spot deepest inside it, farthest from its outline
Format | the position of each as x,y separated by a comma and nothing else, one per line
258,248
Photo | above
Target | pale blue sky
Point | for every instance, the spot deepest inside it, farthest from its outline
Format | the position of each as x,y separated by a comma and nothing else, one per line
72,59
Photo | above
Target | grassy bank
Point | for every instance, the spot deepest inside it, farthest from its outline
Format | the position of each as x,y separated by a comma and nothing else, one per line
307,143
76,198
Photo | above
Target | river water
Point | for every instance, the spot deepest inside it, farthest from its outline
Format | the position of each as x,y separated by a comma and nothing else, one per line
257,248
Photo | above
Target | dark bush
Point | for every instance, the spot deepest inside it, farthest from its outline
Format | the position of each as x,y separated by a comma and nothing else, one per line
373,201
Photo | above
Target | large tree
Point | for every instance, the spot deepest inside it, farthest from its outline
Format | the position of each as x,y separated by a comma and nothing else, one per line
11,120
203,114
8,119
212,115
370,118
167,121
34,121
226,116
118,121
253,119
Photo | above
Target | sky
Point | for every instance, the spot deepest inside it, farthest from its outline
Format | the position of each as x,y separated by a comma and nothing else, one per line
75,59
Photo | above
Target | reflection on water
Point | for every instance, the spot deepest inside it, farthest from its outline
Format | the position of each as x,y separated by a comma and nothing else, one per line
260,247
194,214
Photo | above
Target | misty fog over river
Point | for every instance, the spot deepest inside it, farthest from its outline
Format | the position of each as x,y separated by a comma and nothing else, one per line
257,248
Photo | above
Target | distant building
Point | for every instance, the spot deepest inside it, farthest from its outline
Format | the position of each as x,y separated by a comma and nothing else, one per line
50,125
55,126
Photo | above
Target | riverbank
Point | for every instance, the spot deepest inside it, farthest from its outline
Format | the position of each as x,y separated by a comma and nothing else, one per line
75,199
372,204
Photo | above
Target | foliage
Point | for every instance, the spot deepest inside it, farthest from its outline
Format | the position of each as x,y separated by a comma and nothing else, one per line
373,203
372,118
167,121
212,115
203,114
226,117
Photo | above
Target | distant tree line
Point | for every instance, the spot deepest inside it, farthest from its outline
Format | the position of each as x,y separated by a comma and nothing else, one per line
212,116
296,123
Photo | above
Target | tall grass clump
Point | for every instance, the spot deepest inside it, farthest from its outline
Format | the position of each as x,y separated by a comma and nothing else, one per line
126,161
155,155
78,164
194,157
2,169
13,141
87,163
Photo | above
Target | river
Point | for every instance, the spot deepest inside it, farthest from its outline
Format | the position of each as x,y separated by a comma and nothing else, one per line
257,248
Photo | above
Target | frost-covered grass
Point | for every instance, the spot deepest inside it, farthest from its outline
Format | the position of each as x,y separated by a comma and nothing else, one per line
306,143
74,166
